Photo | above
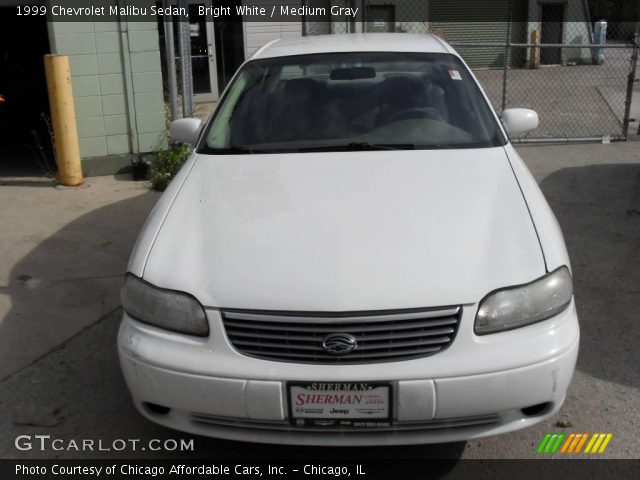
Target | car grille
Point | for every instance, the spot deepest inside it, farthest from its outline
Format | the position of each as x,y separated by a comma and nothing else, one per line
381,336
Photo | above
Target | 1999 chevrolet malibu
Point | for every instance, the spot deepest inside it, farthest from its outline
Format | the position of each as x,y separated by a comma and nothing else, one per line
353,254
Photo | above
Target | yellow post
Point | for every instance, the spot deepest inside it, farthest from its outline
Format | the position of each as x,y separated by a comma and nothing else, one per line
534,57
63,117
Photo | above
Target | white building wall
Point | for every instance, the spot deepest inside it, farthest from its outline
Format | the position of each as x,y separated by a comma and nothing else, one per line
257,34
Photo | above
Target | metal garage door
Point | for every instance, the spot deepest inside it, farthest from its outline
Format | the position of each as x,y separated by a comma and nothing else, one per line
455,21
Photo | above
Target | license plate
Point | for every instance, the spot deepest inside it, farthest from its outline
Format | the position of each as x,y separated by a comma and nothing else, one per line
340,404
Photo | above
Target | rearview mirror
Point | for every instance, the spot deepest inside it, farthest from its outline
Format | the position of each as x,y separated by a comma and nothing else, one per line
518,121
352,73
185,130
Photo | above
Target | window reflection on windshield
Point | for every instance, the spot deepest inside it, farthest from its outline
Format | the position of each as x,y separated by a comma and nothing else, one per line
352,101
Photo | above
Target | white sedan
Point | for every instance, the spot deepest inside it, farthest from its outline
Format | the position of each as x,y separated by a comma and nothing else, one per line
353,254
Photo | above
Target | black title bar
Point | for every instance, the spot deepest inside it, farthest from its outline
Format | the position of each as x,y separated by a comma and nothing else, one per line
401,469
340,11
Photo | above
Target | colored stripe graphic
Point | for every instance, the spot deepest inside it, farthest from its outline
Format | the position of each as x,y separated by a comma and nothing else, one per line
571,440
582,442
606,442
543,443
556,445
550,443
591,442
574,442
598,442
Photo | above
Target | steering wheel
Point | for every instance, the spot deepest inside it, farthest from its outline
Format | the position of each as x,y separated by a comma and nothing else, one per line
413,112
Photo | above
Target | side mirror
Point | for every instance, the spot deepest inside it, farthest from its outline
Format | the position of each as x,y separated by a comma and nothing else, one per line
519,120
185,130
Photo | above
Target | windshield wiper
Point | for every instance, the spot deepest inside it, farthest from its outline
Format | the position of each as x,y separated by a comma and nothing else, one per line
358,147
350,147
380,146
232,150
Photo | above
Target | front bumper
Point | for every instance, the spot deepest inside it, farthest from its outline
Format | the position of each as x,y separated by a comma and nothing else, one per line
479,386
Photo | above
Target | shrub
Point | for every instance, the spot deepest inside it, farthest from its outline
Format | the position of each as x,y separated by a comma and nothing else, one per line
166,164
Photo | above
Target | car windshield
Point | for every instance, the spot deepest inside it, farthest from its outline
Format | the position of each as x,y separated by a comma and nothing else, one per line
352,101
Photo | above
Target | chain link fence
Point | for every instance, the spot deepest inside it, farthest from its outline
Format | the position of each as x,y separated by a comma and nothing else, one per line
578,79
580,90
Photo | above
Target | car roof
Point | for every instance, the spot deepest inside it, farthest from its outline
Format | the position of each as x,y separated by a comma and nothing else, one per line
354,42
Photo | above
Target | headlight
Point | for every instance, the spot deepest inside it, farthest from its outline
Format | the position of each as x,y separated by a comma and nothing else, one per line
525,304
168,309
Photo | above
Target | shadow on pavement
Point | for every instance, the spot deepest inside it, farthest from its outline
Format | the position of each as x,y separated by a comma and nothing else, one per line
76,391
598,208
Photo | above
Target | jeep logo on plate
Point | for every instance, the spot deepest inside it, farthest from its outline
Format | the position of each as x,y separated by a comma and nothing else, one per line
339,343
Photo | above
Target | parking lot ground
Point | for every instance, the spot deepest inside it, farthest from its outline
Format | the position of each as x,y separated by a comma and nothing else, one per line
64,251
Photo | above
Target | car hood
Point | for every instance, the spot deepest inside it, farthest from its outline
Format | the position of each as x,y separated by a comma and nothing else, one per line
346,231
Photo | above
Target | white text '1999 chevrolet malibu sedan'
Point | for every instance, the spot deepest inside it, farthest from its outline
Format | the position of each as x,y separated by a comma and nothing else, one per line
353,254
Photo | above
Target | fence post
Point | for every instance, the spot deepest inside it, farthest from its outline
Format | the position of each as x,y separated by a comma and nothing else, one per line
534,56
171,64
636,42
359,25
507,49
185,64
631,80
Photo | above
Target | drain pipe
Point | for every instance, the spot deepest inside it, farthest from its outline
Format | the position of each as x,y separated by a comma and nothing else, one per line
170,55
